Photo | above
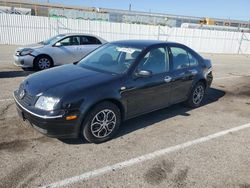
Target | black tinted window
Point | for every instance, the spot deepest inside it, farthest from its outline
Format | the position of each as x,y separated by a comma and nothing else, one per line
85,40
180,58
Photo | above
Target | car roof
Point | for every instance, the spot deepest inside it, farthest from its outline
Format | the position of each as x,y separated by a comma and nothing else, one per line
142,43
72,34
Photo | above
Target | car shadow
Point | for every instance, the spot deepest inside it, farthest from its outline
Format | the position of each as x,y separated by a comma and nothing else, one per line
149,119
14,74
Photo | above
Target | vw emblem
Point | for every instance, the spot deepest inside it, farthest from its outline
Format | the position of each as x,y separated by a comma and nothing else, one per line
22,94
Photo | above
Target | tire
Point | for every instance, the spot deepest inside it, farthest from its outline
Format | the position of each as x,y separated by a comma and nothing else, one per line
196,95
96,127
43,62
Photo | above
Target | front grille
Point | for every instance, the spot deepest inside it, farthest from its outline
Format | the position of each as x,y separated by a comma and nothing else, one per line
27,99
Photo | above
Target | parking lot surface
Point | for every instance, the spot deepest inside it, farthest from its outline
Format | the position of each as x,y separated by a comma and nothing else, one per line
194,156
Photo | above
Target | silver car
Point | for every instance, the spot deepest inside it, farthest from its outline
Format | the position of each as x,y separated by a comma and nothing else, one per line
58,50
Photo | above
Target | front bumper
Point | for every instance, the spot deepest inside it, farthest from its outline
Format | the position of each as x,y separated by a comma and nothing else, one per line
24,61
57,126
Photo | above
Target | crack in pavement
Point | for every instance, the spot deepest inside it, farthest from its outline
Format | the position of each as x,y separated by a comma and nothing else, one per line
4,110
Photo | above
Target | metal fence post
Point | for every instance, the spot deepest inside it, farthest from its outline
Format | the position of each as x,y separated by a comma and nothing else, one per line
57,26
158,37
241,39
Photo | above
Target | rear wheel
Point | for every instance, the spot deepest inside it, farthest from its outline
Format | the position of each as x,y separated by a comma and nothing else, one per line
101,123
196,96
43,62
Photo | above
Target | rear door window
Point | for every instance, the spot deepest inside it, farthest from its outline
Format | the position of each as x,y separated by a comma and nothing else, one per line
180,58
88,40
192,60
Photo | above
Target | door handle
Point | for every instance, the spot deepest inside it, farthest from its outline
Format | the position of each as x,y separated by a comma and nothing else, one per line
167,79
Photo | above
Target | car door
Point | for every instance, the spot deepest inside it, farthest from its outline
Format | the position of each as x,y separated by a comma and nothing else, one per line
146,94
87,45
65,50
182,74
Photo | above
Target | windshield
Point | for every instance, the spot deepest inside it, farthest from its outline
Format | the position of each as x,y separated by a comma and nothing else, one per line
112,58
52,40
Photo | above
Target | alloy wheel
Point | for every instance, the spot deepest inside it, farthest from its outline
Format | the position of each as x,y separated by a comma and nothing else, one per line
198,94
103,123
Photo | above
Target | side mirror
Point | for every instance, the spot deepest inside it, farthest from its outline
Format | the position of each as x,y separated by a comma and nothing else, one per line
58,44
143,73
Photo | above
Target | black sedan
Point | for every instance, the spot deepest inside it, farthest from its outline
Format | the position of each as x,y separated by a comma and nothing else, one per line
116,82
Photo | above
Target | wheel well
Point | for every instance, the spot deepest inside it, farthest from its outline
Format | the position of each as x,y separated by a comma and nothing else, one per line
204,82
43,55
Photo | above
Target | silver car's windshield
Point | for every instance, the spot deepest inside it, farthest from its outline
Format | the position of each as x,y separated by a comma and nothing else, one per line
114,58
52,40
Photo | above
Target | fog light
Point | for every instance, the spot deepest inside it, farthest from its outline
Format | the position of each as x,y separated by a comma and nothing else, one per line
71,117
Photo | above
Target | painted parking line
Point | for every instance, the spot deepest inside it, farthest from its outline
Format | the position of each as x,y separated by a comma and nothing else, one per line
134,161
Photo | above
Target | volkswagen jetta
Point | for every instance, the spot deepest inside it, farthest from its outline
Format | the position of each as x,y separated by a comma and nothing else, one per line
116,82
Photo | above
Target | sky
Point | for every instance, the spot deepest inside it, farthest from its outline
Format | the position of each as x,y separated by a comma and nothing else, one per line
225,9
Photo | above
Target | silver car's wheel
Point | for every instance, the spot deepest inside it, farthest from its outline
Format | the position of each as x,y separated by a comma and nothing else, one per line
198,94
103,123
43,62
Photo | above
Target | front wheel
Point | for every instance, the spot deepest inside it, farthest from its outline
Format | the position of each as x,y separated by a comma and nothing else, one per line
196,96
42,63
101,123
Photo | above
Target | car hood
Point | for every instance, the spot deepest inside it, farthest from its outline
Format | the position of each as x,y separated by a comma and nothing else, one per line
30,46
60,77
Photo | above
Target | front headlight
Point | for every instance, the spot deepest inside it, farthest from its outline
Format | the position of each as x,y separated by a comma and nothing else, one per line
46,103
26,52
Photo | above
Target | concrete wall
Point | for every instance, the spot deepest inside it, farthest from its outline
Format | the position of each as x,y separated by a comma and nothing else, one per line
25,29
